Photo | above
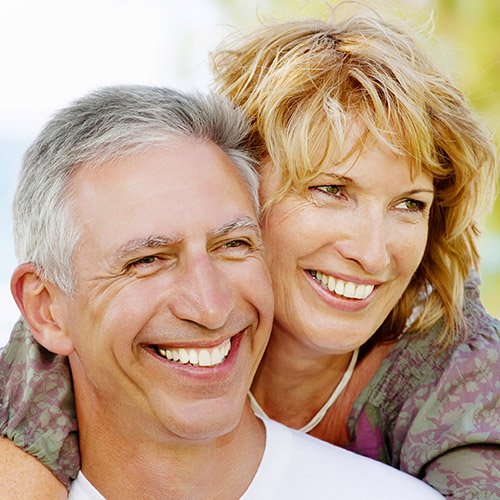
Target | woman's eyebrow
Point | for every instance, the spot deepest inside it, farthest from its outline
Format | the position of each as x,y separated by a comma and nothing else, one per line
420,190
342,179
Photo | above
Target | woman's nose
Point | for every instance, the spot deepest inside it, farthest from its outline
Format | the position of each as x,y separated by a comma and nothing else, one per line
366,241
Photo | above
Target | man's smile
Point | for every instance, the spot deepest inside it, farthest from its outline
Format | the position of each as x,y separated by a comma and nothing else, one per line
206,356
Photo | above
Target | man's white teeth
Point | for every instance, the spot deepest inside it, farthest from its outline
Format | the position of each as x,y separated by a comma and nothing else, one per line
198,357
344,288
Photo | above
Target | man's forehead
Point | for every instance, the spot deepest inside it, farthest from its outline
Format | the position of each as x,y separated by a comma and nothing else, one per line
162,196
179,158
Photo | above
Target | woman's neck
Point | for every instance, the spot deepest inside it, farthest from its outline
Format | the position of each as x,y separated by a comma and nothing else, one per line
295,380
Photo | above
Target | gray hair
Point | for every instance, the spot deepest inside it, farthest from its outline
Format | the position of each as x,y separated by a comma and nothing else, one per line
111,123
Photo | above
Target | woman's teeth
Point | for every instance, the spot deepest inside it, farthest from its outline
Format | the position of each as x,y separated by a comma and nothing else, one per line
198,357
341,287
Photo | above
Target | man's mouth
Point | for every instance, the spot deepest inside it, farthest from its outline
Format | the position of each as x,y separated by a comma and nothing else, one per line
340,287
206,356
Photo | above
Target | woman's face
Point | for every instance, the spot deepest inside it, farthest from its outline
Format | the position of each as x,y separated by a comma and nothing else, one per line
342,255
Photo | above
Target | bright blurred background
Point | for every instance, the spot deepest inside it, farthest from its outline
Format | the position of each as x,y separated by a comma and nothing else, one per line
56,50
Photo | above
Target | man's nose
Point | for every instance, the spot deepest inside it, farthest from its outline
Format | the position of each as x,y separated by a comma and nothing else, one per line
204,294
367,241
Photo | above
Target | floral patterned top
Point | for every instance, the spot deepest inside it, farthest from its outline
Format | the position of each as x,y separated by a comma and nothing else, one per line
431,412
435,413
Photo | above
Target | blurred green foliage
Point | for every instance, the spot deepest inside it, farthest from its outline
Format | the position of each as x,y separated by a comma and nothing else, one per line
464,36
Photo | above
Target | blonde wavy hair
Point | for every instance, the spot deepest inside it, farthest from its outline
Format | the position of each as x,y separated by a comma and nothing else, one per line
303,85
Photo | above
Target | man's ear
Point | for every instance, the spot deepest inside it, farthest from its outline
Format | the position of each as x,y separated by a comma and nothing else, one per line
40,302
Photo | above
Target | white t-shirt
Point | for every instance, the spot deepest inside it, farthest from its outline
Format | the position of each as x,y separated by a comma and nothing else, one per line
296,466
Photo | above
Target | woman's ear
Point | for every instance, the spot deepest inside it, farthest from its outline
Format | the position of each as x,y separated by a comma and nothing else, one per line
40,303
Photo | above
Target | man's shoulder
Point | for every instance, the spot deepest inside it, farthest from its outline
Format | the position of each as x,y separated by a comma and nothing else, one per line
301,466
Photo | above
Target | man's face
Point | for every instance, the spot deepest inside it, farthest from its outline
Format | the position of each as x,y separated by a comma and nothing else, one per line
173,304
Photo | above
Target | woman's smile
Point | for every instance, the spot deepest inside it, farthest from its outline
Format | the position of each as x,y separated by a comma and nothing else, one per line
345,301
345,288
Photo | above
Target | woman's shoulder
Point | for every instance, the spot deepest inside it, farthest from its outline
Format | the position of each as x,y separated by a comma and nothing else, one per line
474,347
416,361
481,327
425,400
456,416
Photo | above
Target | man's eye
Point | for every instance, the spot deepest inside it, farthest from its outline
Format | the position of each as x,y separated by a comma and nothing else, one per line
236,244
237,248
144,261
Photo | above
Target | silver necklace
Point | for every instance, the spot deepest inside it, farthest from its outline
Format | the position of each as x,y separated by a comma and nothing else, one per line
322,411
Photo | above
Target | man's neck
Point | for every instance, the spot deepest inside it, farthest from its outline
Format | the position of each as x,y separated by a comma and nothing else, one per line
120,466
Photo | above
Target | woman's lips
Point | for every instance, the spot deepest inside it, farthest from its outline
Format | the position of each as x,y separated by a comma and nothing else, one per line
353,297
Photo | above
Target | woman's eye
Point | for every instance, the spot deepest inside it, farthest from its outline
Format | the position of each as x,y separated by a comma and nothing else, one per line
330,189
411,205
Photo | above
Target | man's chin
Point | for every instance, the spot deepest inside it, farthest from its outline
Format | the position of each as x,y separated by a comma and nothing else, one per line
211,421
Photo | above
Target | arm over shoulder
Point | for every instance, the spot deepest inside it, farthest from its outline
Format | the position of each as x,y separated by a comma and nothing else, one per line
36,404
22,476
467,472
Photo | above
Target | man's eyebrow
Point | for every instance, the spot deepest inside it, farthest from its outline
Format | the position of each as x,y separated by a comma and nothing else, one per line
243,222
132,246
135,244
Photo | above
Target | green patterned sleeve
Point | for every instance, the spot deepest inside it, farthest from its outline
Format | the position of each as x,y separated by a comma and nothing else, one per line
37,410
466,472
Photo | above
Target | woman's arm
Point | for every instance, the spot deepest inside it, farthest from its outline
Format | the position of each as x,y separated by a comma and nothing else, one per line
37,406
467,472
22,476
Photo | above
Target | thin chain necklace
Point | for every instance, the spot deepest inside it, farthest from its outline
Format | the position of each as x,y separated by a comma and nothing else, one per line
322,411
